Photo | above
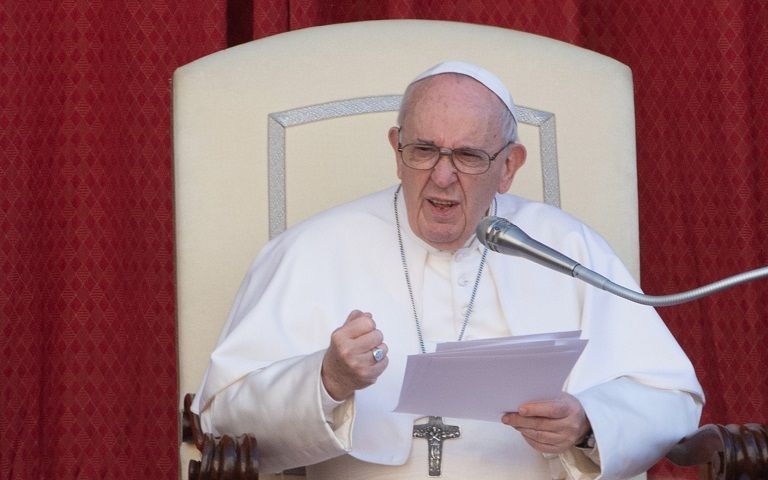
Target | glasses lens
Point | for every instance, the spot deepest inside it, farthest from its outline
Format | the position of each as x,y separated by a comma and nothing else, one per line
471,161
420,156
466,160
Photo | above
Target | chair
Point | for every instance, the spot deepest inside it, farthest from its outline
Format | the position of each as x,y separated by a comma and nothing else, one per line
260,131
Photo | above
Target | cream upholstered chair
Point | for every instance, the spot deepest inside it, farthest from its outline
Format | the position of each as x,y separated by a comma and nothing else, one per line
262,136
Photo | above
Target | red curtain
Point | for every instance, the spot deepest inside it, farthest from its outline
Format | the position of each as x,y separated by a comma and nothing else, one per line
87,315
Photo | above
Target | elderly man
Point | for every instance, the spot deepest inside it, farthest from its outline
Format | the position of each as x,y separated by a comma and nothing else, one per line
313,354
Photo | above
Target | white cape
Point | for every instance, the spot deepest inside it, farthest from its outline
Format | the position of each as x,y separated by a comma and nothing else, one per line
305,282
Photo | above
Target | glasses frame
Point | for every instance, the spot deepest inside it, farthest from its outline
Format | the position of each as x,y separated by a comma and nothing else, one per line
445,151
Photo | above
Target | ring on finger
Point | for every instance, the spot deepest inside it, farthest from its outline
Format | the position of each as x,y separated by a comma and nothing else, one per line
378,354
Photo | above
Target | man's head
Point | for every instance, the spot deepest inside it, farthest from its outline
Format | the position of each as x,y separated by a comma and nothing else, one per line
454,106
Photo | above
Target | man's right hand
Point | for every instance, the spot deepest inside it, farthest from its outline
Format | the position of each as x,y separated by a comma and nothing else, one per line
348,364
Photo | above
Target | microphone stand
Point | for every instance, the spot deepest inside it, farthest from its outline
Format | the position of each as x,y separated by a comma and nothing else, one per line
501,236
599,281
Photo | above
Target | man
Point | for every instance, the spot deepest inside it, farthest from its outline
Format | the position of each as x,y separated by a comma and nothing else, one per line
312,356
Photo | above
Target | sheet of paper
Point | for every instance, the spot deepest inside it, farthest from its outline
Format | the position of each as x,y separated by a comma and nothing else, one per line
518,339
483,379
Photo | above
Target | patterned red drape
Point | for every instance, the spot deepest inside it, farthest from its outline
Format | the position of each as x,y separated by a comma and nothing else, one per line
87,315
87,318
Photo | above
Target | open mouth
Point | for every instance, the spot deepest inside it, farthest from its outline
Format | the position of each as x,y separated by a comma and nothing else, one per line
442,205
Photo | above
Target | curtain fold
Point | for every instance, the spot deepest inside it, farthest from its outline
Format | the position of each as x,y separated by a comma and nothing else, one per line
87,314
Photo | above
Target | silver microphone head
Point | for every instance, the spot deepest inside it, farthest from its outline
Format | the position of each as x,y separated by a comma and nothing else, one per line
502,236
488,229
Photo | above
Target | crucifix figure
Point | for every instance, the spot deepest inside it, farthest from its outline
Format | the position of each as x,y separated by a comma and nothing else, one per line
435,431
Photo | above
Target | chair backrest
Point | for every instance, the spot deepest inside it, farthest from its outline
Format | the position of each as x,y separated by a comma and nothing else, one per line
272,131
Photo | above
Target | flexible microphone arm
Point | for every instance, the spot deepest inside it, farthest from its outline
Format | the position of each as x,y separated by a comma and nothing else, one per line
501,236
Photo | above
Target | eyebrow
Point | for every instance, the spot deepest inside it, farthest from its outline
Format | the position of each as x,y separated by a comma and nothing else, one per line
431,142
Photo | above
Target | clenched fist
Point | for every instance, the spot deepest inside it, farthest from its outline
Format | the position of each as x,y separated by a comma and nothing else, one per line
348,364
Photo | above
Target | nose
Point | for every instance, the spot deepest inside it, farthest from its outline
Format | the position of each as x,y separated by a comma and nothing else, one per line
444,172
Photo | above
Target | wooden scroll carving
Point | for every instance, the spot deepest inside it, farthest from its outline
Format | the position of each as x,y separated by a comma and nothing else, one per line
223,458
731,452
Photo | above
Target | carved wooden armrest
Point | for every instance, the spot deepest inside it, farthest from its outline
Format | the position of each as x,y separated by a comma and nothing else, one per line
222,458
725,452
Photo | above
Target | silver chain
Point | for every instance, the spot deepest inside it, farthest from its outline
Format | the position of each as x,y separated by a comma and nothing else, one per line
471,304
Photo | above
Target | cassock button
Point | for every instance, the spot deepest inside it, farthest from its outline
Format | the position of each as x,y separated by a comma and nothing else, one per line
462,254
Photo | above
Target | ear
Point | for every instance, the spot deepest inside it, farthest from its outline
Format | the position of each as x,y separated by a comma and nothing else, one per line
393,135
515,159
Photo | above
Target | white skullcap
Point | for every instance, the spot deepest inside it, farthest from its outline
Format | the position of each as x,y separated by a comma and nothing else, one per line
491,81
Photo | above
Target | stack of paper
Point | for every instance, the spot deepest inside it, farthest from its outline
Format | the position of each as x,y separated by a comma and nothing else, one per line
483,379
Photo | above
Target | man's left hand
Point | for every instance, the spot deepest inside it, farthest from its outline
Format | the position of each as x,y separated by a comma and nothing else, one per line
553,426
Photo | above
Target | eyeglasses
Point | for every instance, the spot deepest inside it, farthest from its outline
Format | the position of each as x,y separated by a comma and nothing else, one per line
424,156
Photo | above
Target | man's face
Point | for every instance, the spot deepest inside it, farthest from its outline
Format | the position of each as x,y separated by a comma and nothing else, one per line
453,111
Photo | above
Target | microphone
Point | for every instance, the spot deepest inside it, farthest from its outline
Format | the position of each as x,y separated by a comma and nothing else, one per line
502,236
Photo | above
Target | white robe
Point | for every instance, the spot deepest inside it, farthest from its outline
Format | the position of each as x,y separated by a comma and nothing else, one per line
634,382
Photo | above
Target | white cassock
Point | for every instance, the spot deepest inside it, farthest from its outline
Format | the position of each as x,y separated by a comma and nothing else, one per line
636,385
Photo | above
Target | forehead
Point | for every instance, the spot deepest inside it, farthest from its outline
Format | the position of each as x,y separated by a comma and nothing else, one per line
455,88
452,104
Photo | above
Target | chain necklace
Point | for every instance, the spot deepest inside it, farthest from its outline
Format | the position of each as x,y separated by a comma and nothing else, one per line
471,304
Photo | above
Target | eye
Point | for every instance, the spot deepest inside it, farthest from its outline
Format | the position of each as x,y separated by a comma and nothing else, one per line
422,151
470,157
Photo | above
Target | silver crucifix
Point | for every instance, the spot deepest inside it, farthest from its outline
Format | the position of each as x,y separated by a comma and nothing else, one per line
435,431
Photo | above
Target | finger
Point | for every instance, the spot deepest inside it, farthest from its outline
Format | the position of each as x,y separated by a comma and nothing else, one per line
379,367
356,353
367,373
541,437
533,423
551,409
546,442
358,323
369,341
383,355
354,314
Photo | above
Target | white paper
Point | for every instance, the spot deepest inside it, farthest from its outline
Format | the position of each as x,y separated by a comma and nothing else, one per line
483,379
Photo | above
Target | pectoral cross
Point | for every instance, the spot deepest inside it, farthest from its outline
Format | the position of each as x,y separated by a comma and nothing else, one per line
435,431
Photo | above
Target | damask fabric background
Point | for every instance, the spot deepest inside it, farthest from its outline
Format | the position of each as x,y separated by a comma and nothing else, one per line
87,314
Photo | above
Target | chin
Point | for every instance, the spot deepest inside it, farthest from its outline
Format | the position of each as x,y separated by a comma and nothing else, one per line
444,242
444,236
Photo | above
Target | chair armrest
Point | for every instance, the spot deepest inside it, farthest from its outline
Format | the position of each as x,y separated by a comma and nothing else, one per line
222,458
725,452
